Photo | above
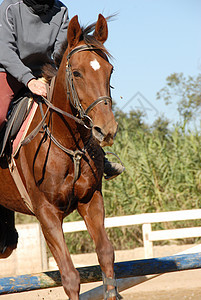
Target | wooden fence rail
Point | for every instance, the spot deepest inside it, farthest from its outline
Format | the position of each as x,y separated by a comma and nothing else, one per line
146,220
31,252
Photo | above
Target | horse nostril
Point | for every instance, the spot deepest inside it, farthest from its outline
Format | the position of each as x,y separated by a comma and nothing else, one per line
98,129
98,134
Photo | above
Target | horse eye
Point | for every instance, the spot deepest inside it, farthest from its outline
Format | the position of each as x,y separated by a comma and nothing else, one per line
76,74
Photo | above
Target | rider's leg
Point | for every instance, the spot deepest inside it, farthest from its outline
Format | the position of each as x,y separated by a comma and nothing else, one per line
8,233
9,86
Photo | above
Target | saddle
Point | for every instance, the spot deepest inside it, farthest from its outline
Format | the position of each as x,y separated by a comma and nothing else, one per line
18,111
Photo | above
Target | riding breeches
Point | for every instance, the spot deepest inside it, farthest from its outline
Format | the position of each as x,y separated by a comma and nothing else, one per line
9,87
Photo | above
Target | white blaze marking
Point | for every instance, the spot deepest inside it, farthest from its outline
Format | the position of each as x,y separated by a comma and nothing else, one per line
95,64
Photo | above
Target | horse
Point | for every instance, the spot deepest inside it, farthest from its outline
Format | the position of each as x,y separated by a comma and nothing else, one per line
61,167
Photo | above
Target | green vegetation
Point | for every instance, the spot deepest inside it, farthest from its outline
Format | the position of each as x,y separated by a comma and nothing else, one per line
163,173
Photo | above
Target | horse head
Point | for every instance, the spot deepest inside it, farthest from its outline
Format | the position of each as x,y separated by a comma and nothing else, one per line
90,73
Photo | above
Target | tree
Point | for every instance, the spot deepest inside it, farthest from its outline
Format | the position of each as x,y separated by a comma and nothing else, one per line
186,91
160,126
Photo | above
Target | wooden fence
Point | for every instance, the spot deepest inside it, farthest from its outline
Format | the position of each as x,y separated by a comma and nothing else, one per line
31,255
146,220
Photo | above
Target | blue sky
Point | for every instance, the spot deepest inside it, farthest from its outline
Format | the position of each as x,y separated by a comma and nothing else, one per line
150,39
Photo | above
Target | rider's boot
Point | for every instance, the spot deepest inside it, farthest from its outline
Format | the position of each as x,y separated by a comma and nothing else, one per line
112,169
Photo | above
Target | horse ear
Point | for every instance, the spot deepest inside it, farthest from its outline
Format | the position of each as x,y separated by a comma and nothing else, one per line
74,32
101,29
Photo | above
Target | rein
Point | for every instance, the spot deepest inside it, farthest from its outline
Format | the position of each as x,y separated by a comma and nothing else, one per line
76,155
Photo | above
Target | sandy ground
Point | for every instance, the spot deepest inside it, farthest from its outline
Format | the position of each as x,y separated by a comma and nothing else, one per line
174,286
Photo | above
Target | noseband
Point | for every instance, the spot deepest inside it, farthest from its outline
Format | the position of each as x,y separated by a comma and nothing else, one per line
72,94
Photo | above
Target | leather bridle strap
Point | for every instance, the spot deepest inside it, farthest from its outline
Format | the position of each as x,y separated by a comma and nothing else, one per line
81,48
105,99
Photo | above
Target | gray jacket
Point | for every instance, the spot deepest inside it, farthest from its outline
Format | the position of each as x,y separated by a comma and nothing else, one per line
28,41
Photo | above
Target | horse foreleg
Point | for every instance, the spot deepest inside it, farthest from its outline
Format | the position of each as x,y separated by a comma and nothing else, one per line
93,215
51,223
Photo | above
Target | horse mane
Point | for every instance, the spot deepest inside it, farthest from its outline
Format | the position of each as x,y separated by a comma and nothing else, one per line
50,70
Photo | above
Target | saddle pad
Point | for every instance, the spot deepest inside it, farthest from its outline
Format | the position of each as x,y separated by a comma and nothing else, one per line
24,129
17,114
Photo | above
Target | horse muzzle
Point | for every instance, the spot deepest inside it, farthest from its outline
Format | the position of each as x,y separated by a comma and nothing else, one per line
103,137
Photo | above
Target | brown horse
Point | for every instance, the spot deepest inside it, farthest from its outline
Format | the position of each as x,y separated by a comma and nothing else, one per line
78,123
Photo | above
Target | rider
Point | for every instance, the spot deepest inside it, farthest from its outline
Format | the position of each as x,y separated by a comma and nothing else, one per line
31,33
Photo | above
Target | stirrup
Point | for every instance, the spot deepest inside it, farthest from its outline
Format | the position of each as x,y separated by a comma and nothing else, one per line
110,293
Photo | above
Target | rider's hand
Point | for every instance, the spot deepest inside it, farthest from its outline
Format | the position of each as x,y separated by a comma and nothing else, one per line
37,87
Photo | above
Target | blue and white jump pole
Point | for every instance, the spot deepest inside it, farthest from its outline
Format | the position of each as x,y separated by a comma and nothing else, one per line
126,269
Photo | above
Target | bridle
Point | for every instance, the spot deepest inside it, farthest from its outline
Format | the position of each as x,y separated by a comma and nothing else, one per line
83,119
71,91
